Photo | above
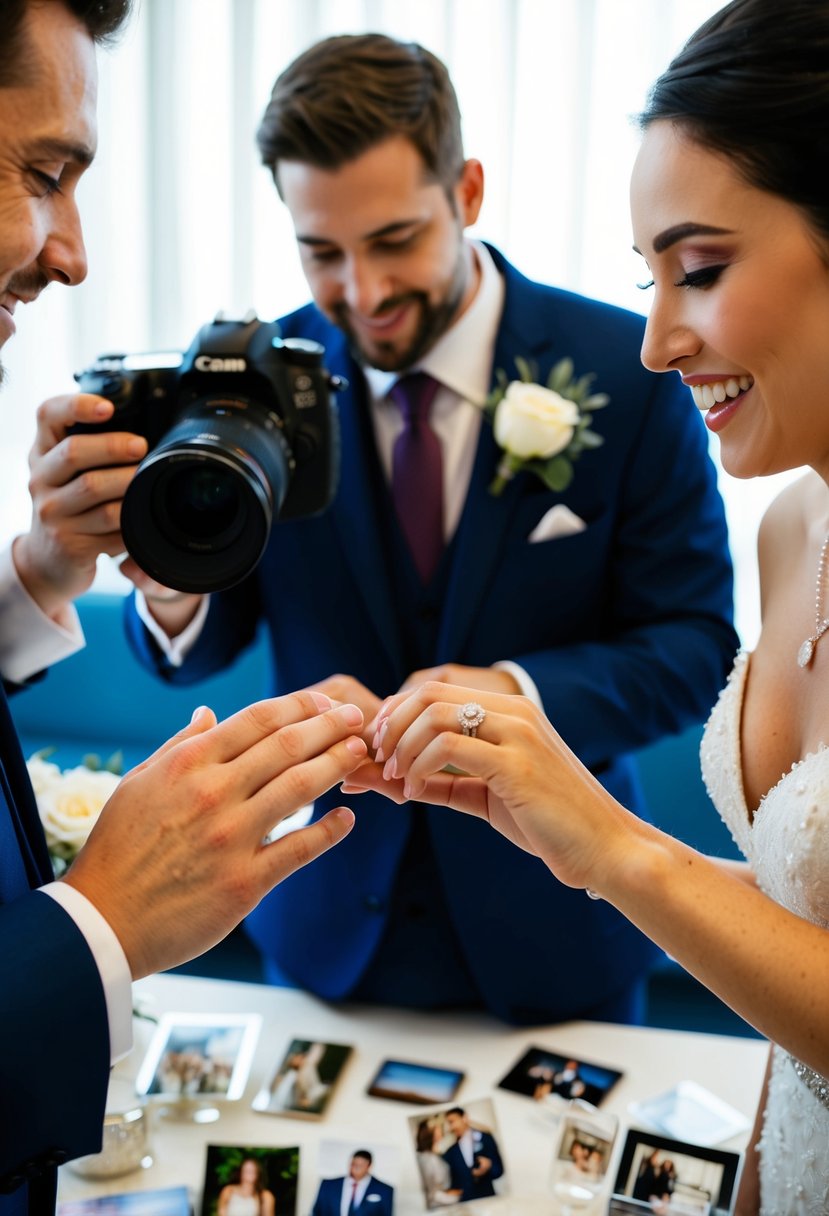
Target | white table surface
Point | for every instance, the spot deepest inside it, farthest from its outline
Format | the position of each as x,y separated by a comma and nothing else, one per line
652,1061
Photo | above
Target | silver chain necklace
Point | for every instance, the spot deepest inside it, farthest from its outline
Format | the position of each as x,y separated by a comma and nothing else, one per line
807,648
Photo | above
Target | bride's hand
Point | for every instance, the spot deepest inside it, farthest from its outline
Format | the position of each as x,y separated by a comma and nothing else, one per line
517,774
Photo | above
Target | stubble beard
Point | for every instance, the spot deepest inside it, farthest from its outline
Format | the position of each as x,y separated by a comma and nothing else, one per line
434,321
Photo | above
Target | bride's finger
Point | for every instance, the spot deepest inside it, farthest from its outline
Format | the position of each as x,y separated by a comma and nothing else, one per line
400,711
435,741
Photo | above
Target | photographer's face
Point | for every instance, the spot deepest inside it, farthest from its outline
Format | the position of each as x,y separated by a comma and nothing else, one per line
382,248
47,139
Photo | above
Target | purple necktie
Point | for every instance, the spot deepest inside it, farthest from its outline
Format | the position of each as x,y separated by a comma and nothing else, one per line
417,473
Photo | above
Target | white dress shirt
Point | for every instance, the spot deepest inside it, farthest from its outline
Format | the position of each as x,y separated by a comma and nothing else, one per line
349,1190
30,641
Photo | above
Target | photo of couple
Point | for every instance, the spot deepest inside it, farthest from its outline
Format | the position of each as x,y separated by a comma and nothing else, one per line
672,1178
540,1073
457,1154
303,1081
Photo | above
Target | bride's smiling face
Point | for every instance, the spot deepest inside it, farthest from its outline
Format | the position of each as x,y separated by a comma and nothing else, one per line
741,303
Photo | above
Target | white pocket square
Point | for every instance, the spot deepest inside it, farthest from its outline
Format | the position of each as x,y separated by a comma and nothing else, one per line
558,521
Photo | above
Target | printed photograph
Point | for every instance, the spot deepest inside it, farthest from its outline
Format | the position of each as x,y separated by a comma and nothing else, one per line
304,1079
245,1180
582,1156
458,1155
421,1084
166,1201
671,1177
356,1177
541,1072
191,1055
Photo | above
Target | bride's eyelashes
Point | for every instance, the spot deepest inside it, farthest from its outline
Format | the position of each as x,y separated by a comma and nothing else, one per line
706,276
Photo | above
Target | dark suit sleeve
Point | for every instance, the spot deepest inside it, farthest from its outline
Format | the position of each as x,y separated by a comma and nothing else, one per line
229,627
54,1062
490,1149
325,1202
386,1193
664,639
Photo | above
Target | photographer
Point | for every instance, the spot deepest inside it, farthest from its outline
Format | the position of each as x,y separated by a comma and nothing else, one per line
608,604
177,857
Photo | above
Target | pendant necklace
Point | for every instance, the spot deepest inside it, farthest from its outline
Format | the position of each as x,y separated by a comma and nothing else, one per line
807,648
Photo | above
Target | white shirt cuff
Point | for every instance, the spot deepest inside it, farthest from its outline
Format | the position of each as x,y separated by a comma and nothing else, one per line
29,639
109,958
175,650
527,686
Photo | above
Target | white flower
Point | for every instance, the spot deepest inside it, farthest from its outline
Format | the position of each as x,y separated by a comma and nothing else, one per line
70,805
42,774
534,422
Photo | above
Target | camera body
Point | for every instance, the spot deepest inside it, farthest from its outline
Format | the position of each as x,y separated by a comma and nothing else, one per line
242,429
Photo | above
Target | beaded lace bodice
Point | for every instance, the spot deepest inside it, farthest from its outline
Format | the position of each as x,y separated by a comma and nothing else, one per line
787,844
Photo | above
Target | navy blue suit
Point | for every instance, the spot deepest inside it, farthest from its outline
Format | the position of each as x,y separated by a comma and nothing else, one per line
625,629
377,1201
54,1036
461,1177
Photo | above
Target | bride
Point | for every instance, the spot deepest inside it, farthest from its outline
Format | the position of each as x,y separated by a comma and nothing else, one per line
730,204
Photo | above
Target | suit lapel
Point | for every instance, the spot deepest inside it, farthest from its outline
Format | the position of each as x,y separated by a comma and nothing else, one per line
357,513
484,525
25,860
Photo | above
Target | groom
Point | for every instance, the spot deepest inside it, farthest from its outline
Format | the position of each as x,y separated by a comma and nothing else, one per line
474,1160
608,603
356,1194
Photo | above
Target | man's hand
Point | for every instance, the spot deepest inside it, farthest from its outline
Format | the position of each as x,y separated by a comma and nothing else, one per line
176,859
483,1167
76,483
343,689
486,679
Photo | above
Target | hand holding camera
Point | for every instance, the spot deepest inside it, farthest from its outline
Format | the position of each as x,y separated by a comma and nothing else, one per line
76,490
241,430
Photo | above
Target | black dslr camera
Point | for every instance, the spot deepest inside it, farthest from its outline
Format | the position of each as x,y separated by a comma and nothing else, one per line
242,429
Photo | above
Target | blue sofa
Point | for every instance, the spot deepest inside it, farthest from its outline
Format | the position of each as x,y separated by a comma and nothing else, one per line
101,701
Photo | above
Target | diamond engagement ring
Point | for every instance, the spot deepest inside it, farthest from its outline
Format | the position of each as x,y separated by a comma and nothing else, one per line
470,716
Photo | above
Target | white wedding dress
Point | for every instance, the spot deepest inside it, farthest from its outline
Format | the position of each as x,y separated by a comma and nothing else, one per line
787,845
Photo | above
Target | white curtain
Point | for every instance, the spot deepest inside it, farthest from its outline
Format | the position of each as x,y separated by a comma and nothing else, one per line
181,220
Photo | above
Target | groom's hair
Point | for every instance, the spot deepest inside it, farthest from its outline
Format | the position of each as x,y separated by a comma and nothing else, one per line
102,19
346,94
752,84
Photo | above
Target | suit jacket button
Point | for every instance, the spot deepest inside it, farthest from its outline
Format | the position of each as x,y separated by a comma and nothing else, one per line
373,903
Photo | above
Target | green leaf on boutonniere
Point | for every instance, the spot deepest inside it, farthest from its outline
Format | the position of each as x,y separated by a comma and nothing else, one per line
556,473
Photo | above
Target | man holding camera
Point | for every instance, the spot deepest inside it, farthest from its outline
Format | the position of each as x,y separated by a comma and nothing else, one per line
609,604
177,857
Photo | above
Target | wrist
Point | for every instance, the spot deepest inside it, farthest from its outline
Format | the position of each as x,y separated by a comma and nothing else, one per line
630,863
41,588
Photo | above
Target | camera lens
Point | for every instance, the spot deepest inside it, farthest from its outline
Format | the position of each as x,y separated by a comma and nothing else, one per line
204,502
198,513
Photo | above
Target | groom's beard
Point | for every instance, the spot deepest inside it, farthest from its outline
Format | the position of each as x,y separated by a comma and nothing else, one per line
435,319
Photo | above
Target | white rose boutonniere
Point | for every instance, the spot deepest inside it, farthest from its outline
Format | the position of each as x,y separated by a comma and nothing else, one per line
542,428
70,801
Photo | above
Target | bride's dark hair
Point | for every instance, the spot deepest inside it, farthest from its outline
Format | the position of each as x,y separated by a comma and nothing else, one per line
753,84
